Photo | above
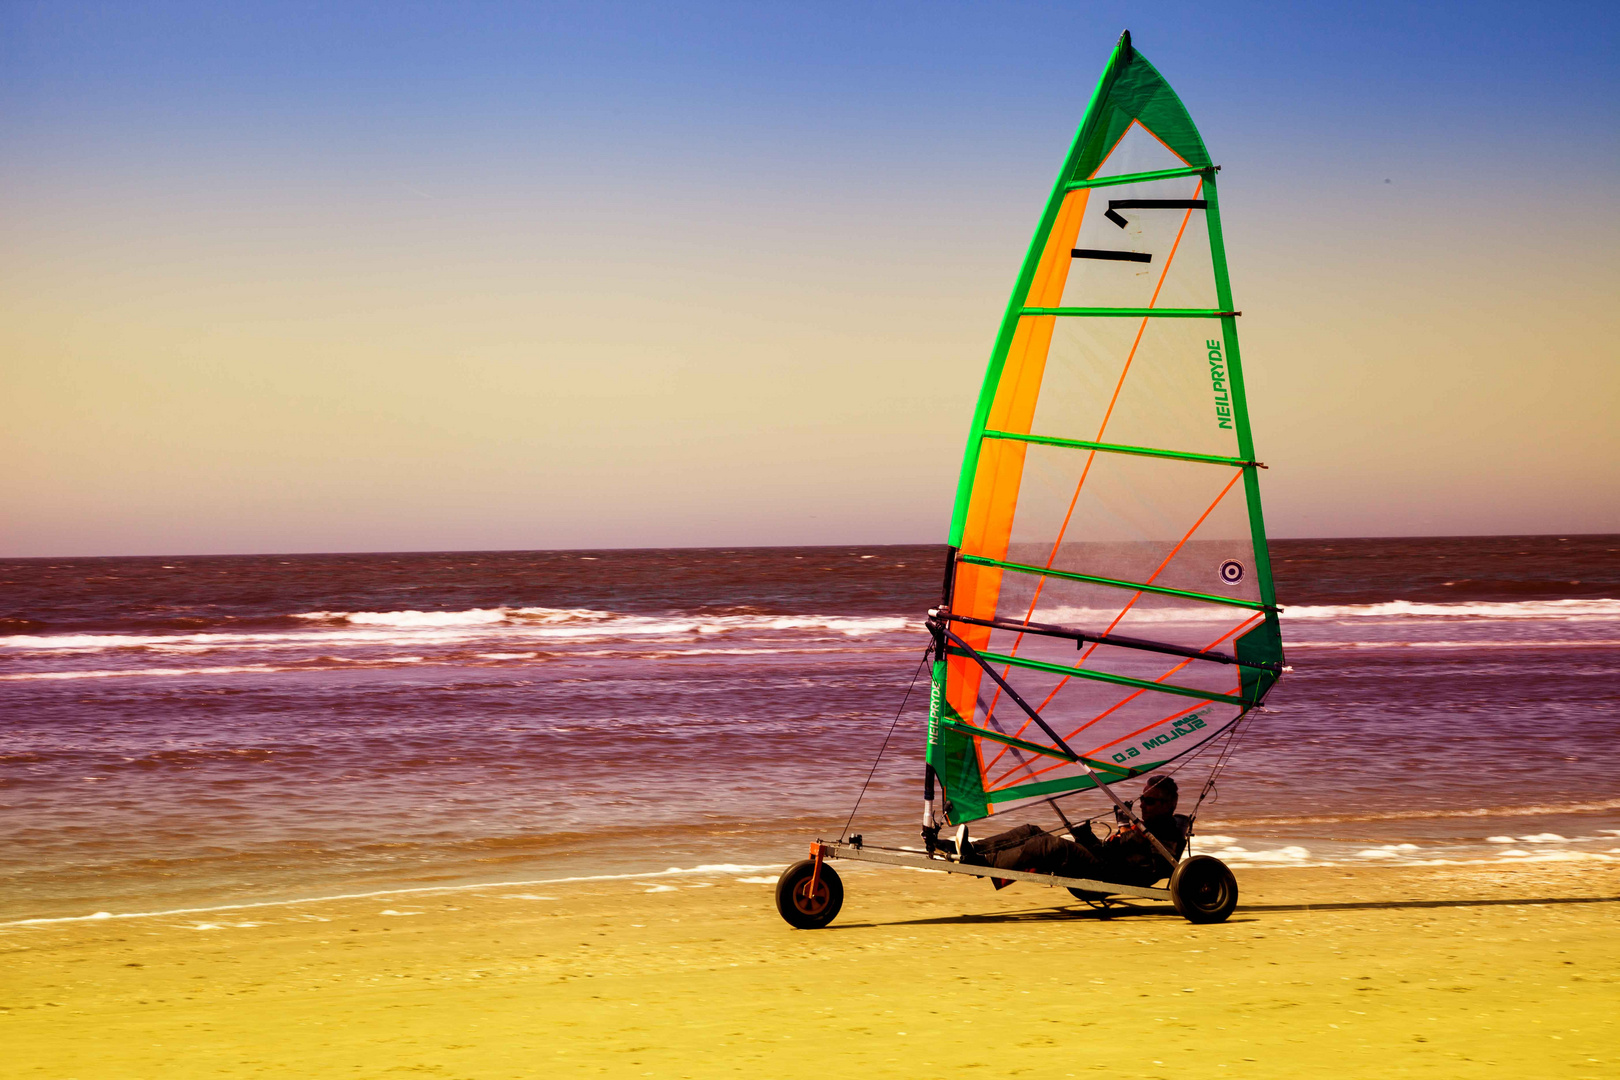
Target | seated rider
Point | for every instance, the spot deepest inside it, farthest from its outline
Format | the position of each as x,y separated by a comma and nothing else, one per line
1127,857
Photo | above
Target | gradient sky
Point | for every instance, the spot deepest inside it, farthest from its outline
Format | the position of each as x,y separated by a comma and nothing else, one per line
314,277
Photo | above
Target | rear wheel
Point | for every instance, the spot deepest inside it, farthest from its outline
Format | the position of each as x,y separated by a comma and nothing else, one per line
805,908
1203,890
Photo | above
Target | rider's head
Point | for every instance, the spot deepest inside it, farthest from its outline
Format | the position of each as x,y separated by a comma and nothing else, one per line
1158,795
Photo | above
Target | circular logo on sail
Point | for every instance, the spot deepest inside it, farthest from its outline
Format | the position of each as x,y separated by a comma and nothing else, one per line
1231,572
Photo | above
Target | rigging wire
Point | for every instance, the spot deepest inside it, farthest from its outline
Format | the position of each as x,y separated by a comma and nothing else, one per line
844,832
1221,759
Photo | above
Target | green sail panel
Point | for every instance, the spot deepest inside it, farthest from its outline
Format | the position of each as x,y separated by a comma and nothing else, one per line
1108,551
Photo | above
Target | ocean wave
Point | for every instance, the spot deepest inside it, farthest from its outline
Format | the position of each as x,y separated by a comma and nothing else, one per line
324,663
1397,855
1552,643
1241,857
514,625
1529,810
506,625
471,617
1518,609
115,673
509,629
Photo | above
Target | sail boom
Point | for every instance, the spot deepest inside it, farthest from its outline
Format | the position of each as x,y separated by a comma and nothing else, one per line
1131,312
1137,586
1141,177
1113,640
1116,448
1103,676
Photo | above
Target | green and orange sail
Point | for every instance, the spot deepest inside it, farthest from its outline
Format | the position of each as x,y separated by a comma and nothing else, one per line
1109,604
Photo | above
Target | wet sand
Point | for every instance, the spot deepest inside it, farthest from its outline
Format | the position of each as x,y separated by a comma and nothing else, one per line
1449,971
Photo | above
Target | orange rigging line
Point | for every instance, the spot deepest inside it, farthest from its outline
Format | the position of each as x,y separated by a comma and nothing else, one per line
1244,625
1137,595
1151,578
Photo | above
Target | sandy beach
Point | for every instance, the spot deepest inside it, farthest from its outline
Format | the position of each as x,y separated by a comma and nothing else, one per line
1446,971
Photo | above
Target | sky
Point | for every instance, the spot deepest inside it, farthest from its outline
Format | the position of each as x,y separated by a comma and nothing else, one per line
292,277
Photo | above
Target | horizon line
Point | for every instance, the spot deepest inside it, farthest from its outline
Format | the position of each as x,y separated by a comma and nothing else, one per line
755,547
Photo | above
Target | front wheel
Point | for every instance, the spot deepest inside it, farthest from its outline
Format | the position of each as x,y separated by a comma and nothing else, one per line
1203,890
803,908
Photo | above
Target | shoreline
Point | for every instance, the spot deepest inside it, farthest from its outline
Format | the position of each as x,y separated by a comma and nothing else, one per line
1461,970
1245,862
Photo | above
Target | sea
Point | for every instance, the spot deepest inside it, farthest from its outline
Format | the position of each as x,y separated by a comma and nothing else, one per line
185,732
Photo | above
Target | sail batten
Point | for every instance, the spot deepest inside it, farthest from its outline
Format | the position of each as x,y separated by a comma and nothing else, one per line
1130,312
1102,676
1116,448
1114,583
1136,178
1109,486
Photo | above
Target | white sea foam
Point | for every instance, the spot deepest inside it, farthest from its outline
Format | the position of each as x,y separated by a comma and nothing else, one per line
514,625
1292,855
116,673
1553,643
508,626
1386,851
414,619
1517,609
1538,810
470,617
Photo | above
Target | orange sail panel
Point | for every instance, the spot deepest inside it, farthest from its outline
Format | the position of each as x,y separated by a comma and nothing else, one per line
995,492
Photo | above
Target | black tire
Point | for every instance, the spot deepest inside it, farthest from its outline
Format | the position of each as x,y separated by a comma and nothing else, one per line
1203,890
802,910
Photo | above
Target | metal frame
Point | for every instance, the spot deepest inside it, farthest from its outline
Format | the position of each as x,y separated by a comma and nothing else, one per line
917,860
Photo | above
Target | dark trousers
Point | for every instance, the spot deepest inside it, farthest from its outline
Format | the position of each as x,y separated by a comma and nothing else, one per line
1030,849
